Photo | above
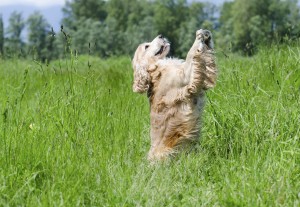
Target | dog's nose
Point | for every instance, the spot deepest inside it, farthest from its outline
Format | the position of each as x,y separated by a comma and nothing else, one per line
160,36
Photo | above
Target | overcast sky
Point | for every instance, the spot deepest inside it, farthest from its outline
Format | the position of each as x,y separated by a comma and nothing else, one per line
47,3
38,3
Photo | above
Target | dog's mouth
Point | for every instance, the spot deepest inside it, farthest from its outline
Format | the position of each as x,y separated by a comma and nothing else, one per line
207,41
163,49
160,51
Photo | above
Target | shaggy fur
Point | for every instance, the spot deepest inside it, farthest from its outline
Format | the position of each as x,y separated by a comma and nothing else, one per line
176,90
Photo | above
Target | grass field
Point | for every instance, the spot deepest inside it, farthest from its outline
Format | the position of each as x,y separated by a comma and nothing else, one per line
74,134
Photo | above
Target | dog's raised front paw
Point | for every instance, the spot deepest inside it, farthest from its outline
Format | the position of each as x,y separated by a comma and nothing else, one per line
205,38
204,35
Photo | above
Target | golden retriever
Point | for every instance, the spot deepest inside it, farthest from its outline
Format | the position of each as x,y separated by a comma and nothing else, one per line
176,91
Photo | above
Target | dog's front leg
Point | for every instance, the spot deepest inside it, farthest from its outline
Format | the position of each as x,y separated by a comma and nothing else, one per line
199,60
195,64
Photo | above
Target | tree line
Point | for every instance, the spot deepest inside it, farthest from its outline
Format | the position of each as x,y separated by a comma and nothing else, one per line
114,27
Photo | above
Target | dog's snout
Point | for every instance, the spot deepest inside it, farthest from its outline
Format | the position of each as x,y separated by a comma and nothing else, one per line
160,36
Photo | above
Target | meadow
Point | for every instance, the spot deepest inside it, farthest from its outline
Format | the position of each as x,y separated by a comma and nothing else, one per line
74,134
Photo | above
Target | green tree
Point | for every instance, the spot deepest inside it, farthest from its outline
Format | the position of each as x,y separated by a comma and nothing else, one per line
111,33
127,12
122,25
186,36
1,36
293,26
168,17
39,38
199,15
61,43
130,22
14,30
255,22
224,36
143,31
82,19
77,10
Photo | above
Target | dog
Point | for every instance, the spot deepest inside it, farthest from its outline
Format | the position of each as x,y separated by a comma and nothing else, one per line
176,91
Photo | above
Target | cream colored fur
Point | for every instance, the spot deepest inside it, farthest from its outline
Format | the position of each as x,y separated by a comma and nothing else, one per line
176,91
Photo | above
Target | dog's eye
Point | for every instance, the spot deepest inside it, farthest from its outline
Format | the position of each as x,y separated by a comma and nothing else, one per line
146,47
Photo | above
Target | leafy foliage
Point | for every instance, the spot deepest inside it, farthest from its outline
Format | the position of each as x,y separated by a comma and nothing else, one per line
41,41
129,23
114,27
1,36
247,24
14,42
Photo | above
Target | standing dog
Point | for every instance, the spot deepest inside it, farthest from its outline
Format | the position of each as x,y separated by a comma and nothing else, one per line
176,90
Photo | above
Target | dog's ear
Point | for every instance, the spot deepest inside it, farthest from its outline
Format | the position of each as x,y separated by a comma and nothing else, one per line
141,78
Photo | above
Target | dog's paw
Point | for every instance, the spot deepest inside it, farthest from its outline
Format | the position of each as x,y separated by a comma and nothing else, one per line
205,39
203,35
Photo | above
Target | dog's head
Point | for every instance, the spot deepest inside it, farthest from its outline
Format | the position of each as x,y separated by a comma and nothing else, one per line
146,55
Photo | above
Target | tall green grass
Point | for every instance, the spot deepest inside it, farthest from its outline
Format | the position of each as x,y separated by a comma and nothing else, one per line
74,134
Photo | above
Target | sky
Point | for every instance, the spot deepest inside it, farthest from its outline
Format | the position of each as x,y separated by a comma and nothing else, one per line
47,3
37,3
